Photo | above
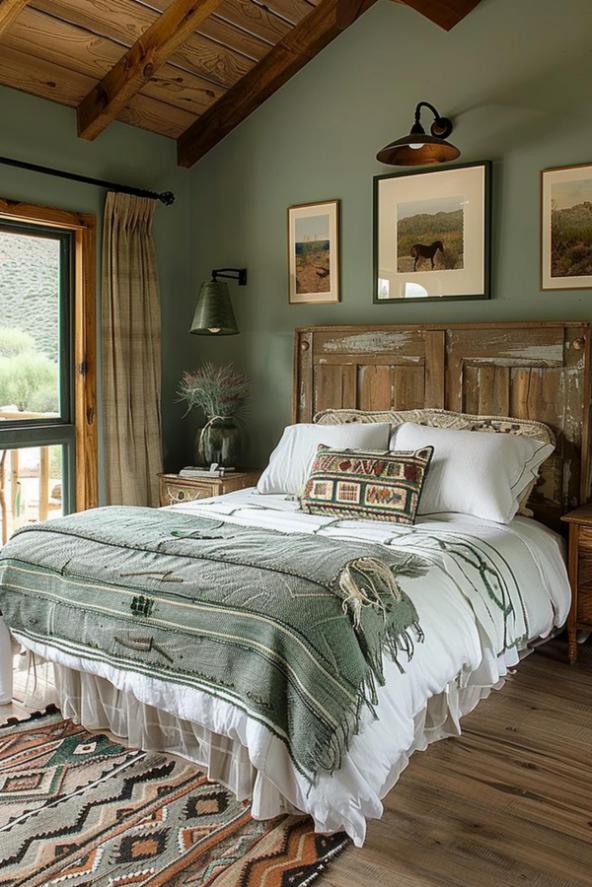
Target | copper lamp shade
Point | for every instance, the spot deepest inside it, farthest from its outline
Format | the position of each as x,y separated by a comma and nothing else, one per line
419,149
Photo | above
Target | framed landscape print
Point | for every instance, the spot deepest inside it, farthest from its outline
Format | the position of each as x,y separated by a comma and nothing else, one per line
313,252
431,234
566,228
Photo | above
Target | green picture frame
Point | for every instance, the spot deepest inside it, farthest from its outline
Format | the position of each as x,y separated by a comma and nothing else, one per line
432,234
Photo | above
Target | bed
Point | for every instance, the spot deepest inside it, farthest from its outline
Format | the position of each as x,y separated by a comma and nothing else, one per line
467,643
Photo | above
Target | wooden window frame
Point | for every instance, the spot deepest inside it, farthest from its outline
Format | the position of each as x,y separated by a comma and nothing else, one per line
83,226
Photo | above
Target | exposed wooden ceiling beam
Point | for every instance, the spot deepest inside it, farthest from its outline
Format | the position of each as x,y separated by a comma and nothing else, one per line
446,13
9,9
109,97
348,11
294,51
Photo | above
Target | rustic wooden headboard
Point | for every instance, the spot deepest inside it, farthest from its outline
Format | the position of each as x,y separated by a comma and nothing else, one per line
525,370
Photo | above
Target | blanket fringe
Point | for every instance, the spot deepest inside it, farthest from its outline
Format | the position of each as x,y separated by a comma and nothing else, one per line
363,582
328,755
386,623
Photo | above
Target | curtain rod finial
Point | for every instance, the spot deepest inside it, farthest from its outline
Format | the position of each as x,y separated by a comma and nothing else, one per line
167,197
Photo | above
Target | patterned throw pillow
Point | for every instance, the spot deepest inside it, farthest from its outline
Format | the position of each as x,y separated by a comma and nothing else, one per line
366,485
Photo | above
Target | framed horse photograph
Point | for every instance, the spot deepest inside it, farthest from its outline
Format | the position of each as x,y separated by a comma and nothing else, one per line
432,234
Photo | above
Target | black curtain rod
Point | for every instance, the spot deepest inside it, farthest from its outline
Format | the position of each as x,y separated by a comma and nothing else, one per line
167,197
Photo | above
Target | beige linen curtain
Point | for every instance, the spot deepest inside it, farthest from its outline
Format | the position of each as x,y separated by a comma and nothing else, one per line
131,352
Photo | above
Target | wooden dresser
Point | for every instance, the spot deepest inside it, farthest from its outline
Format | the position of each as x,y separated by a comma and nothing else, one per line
175,489
580,574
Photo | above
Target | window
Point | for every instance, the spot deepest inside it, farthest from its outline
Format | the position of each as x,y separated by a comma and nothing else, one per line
47,327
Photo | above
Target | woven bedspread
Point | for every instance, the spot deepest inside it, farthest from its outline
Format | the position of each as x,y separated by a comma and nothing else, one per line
292,628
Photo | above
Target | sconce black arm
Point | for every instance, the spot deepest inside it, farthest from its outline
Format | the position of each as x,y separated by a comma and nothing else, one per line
239,274
441,127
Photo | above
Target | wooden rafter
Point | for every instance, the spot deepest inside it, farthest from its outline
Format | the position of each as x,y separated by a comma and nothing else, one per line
446,13
9,9
297,48
109,97
294,51
349,10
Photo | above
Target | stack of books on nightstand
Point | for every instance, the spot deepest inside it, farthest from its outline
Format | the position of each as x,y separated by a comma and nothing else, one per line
212,471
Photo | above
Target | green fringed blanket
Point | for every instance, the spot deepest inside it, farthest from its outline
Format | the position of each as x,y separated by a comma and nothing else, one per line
289,627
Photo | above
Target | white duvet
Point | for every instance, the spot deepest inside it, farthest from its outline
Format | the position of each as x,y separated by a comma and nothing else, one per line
465,654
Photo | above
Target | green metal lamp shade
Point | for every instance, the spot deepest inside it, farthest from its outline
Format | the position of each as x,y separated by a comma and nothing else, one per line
213,313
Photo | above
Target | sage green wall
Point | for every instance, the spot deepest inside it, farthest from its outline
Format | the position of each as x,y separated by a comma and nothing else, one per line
515,76
42,132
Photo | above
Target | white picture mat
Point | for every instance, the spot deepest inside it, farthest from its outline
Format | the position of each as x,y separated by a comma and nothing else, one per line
552,177
468,281
330,209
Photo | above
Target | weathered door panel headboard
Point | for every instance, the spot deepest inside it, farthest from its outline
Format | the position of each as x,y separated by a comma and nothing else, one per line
526,370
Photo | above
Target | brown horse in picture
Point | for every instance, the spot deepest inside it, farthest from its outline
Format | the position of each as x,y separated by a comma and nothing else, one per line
421,251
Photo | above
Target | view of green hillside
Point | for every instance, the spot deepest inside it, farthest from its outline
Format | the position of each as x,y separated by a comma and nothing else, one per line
571,241
29,288
427,228
29,321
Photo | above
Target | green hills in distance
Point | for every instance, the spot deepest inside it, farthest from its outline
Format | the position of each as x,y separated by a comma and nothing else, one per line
429,223
571,240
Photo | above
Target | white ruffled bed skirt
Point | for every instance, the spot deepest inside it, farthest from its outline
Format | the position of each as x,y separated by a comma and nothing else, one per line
5,664
237,750
98,705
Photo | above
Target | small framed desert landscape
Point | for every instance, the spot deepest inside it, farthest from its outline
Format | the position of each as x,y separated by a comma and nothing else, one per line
313,252
431,234
566,228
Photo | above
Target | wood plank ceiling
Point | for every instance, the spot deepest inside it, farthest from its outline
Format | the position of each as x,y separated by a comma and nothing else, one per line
188,69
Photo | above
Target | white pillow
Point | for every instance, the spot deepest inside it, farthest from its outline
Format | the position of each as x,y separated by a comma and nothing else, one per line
472,472
289,462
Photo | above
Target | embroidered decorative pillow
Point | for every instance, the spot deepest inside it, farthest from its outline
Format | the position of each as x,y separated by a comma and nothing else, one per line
369,485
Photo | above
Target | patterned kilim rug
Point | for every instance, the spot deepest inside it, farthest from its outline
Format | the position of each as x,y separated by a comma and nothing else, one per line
77,809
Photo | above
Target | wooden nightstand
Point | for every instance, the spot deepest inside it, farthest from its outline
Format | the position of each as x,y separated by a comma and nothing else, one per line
175,489
580,574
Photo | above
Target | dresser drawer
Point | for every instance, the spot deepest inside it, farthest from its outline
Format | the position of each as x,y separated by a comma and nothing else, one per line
172,493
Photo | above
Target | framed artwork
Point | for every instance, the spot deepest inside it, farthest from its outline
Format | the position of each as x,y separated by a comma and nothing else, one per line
313,253
566,228
432,234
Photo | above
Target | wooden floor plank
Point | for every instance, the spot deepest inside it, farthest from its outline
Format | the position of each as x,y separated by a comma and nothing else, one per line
507,804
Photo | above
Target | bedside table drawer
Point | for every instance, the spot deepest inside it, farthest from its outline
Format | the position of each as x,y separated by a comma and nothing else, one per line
585,539
584,609
585,566
177,488
173,494
579,559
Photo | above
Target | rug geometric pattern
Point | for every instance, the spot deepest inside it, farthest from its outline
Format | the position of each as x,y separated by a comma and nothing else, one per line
79,810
